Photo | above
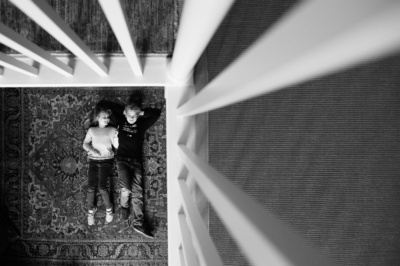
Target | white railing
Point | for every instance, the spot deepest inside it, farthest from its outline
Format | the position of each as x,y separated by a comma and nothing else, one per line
44,15
298,48
315,38
115,13
17,42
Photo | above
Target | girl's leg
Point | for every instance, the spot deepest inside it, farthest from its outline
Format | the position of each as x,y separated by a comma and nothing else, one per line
104,173
92,184
91,190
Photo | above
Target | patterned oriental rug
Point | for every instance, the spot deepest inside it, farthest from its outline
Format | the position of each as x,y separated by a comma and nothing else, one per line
44,178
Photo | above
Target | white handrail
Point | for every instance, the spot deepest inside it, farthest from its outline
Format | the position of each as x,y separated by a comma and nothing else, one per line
16,65
189,253
199,21
206,250
263,239
120,73
22,45
316,38
43,14
115,13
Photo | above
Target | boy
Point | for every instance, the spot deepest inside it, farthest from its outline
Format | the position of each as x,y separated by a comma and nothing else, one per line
129,161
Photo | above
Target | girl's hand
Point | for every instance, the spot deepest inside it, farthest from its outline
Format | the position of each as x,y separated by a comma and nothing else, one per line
93,150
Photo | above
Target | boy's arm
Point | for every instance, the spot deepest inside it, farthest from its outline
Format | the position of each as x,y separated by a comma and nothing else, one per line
149,116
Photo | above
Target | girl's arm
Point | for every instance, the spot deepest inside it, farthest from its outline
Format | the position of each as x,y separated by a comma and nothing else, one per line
87,144
115,140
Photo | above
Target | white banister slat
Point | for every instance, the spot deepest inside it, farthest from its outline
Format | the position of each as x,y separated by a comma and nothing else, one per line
263,239
14,64
17,42
316,38
120,73
115,13
181,257
207,252
43,14
199,21
190,256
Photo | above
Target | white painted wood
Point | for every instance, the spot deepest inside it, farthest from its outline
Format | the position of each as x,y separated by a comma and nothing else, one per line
314,39
199,21
182,257
175,95
190,256
1,71
120,73
263,239
43,14
179,130
17,42
14,64
206,250
115,13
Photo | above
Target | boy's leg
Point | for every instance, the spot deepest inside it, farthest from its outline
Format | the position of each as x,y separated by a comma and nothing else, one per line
124,174
137,201
125,181
137,194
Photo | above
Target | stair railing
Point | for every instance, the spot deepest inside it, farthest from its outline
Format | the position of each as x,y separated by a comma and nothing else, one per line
315,38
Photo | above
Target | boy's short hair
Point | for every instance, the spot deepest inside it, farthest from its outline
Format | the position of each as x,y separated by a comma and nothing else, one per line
132,107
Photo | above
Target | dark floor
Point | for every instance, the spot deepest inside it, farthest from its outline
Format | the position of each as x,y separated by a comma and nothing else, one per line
153,25
322,155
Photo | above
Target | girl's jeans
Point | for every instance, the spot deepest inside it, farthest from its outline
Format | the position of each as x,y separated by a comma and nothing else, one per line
130,176
99,171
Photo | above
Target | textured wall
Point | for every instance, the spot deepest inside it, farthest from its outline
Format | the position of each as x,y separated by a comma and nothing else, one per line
322,155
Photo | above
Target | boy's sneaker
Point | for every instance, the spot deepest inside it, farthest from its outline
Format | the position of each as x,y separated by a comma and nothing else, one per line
109,215
125,213
90,217
142,231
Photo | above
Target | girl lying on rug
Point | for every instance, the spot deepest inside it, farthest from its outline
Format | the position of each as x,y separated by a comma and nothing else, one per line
98,143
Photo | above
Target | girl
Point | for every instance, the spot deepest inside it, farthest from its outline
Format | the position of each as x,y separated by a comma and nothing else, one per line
98,144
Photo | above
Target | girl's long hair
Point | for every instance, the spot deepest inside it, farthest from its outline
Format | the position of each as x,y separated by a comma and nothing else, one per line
100,107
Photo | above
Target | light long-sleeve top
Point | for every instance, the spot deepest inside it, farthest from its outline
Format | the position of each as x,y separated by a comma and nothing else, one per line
101,139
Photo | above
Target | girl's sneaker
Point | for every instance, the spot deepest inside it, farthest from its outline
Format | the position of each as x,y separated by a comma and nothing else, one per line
109,215
90,217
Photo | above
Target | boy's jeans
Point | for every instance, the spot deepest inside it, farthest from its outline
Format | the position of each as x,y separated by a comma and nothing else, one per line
99,171
130,176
